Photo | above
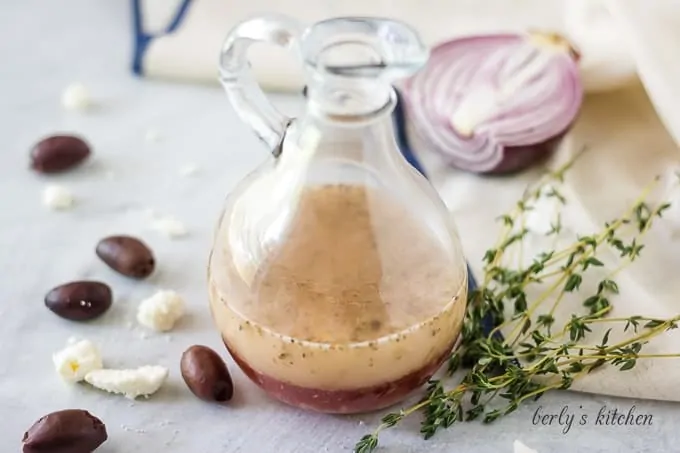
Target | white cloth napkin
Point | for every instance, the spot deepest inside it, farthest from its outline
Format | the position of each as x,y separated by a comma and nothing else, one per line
181,39
630,122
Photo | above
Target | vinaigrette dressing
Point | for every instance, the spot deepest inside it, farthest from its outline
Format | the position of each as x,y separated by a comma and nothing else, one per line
356,298
336,278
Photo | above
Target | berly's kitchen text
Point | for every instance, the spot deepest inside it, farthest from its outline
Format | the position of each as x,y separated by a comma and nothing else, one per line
567,417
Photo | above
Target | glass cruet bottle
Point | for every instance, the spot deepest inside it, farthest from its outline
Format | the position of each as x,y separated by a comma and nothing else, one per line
337,279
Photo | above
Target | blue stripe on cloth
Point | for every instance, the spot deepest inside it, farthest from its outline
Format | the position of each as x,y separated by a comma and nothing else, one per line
181,13
142,38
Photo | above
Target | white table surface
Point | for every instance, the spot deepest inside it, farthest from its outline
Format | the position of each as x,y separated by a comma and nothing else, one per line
44,46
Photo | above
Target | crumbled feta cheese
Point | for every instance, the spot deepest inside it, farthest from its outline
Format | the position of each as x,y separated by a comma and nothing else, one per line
519,447
161,311
189,170
57,197
132,383
76,97
170,227
76,360
152,136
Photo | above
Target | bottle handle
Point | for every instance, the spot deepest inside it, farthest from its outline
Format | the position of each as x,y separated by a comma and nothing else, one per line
246,95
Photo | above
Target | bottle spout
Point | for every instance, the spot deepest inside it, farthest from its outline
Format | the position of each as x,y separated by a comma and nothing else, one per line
363,47
353,62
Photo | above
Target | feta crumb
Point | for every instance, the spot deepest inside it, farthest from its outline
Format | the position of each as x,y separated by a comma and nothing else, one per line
189,170
57,197
76,97
132,383
76,360
519,447
152,136
170,227
161,311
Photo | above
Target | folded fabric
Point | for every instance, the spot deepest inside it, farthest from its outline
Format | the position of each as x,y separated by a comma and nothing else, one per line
181,39
652,33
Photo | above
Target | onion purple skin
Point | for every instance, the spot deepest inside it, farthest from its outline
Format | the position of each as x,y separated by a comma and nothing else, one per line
518,158
509,159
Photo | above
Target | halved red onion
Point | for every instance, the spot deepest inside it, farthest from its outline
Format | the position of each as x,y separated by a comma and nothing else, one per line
496,103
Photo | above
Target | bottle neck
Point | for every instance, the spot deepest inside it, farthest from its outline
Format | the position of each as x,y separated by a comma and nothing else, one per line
354,100
364,136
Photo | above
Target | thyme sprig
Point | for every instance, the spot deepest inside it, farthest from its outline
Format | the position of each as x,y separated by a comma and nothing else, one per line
527,354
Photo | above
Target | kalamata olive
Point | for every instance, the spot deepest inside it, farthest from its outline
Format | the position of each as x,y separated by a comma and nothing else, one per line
66,431
79,300
206,374
58,153
127,255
